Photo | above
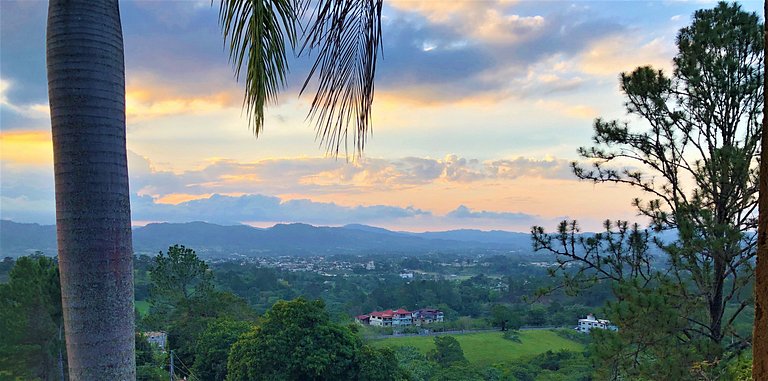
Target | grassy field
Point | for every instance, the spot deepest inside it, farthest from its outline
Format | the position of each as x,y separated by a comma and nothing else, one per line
490,347
142,306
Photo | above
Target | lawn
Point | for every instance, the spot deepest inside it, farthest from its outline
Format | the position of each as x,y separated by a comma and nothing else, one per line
142,306
487,348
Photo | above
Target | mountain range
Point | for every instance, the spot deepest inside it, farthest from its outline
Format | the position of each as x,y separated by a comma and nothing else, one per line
282,239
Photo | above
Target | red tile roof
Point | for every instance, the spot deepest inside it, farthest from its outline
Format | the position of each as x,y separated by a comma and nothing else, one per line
382,314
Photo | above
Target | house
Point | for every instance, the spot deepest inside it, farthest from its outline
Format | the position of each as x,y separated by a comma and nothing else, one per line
428,315
381,318
363,319
585,325
402,317
157,338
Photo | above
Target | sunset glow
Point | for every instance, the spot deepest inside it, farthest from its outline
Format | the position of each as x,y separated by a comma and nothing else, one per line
480,107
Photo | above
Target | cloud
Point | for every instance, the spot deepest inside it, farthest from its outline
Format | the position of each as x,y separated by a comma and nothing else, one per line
325,175
465,212
26,147
490,50
145,103
526,167
259,208
418,194
490,21
625,52
24,110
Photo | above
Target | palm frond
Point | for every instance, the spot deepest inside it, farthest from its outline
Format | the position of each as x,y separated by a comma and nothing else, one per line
255,33
346,34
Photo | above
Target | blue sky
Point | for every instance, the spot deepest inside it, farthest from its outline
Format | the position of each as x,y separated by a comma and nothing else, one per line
480,107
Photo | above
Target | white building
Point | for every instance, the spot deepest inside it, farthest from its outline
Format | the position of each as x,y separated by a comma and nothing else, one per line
157,338
585,325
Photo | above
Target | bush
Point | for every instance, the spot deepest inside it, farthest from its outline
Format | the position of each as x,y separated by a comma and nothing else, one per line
512,336
573,335
411,329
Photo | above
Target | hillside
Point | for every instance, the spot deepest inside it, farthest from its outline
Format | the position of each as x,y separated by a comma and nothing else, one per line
282,239
488,348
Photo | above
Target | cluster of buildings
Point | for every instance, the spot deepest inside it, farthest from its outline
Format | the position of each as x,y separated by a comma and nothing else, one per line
585,325
401,317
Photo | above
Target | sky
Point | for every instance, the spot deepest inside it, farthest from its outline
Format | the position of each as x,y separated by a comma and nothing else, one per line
479,110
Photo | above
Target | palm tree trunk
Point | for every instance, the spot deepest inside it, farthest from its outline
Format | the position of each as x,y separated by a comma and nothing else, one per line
86,88
760,333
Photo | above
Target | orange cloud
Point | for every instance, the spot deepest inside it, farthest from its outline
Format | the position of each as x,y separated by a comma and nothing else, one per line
26,147
144,103
621,53
178,198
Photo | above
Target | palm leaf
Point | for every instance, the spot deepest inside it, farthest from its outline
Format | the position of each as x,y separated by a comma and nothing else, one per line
255,33
346,34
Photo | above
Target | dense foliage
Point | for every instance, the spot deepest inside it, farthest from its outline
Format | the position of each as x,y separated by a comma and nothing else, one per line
297,341
31,322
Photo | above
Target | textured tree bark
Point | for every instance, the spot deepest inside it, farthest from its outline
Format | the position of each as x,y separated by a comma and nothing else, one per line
86,89
760,333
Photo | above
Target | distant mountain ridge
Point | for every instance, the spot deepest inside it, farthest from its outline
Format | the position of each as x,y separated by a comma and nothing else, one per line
282,239
21,238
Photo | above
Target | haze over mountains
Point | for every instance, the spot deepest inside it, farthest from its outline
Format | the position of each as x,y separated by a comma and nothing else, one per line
282,239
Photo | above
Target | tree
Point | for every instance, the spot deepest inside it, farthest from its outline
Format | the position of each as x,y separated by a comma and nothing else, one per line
648,344
414,363
447,351
295,340
178,278
212,347
31,343
760,332
183,301
697,159
379,364
505,317
86,88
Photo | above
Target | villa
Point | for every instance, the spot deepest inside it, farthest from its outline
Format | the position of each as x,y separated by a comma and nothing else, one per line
585,325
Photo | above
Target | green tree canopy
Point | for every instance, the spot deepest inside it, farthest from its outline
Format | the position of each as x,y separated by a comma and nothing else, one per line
505,317
179,276
184,301
212,347
31,322
295,340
